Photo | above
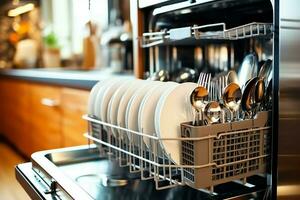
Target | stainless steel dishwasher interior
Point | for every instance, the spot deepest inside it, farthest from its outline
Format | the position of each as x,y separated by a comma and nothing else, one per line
80,173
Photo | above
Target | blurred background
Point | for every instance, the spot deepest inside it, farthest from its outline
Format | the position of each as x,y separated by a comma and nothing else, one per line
66,34
52,52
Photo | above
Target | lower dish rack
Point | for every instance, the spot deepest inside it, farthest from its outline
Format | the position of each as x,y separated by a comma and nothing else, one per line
210,155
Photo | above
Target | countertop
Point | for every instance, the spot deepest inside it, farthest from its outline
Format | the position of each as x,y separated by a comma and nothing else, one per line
65,77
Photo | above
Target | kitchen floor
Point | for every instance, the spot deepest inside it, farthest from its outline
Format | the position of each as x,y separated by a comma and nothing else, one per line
10,189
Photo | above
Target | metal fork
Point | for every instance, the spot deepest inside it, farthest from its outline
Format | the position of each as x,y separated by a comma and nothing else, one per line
204,80
222,83
221,86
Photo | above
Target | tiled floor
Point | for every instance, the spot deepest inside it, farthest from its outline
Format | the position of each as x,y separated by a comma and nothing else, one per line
9,187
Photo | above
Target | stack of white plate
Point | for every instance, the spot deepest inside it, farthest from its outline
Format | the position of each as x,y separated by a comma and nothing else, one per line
150,107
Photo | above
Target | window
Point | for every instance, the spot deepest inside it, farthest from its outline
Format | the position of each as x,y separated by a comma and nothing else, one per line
67,19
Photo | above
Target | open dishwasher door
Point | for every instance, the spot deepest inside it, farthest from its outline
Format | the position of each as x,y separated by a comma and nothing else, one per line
80,173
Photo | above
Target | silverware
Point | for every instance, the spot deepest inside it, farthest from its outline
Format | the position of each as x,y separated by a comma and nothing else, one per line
222,82
265,75
213,111
161,75
232,77
248,101
259,93
199,97
184,75
248,68
265,69
232,99
268,98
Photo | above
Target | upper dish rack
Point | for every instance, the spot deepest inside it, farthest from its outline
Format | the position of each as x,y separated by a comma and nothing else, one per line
254,29
210,155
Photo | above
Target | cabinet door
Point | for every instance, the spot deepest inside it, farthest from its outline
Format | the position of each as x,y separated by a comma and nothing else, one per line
74,105
45,117
2,106
14,112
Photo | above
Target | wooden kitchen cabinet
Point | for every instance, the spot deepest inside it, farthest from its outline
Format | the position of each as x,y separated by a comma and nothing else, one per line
45,117
3,110
74,105
37,117
14,113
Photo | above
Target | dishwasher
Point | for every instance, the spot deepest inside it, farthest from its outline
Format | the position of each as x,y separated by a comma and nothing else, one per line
241,155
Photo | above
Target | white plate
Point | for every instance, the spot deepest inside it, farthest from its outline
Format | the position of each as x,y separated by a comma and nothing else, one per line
132,109
112,111
172,109
124,102
147,109
107,95
100,96
92,96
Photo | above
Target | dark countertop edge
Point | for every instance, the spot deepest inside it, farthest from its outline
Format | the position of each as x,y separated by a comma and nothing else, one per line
73,79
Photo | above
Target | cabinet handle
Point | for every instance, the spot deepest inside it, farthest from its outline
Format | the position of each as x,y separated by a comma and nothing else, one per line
49,102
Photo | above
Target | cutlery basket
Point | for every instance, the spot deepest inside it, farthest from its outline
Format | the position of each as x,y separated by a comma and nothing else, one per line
210,155
225,152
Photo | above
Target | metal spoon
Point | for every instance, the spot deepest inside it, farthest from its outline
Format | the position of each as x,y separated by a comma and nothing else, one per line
197,99
232,99
213,111
248,101
232,77
268,98
259,92
265,69
248,68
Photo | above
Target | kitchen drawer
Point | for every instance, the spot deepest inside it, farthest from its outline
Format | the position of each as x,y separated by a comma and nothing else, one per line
37,117
45,117
14,112
74,105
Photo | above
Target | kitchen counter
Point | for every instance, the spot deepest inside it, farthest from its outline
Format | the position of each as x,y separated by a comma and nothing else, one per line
64,77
